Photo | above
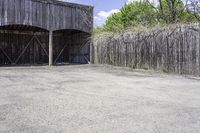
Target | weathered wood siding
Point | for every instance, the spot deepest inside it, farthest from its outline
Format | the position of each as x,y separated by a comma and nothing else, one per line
173,49
24,36
52,15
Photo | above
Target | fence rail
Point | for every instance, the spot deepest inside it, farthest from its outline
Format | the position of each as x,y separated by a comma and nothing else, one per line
172,49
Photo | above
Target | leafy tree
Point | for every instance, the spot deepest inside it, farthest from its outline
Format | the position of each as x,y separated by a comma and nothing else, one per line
144,13
194,7
133,14
173,11
138,13
115,22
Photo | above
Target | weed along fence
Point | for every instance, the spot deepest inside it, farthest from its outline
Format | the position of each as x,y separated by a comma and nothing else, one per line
173,49
44,31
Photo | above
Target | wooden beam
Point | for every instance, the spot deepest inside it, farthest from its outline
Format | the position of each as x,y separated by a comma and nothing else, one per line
60,53
41,46
16,61
6,55
91,52
31,33
50,48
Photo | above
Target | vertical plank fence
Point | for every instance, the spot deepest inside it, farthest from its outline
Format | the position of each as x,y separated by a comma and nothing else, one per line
171,49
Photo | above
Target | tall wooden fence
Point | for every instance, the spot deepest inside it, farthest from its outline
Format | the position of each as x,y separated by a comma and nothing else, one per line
172,49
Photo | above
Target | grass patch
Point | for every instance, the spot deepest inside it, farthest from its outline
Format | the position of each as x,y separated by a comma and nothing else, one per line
164,70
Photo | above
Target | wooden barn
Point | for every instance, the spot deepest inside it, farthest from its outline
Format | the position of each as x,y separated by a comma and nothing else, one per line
44,32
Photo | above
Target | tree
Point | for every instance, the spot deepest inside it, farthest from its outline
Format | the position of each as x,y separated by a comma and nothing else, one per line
114,23
138,13
194,7
173,11
146,14
133,14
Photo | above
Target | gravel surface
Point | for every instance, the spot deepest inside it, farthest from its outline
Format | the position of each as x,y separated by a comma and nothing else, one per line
97,99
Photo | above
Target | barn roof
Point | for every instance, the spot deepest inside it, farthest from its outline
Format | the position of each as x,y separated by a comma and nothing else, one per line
64,3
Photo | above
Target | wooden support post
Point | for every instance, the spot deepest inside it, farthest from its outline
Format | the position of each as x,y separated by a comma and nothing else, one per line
91,53
50,48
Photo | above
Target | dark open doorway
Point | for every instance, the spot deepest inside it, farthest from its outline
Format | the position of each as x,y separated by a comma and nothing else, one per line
71,46
23,44
28,45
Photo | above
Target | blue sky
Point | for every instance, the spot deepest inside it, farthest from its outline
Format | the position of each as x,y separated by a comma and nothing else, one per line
105,8
102,8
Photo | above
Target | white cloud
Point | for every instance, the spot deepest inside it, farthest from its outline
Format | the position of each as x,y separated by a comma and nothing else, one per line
129,1
101,17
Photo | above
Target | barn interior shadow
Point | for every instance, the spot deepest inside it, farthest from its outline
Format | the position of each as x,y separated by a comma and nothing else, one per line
24,45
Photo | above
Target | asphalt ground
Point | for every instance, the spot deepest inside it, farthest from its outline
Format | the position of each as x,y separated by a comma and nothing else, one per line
97,99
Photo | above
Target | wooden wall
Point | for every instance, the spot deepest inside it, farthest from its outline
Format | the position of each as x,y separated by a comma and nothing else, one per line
70,23
172,49
52,15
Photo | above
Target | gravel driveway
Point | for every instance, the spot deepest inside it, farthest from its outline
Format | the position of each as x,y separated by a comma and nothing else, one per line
97,99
